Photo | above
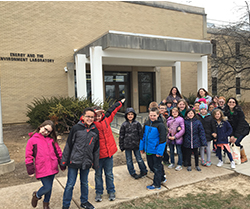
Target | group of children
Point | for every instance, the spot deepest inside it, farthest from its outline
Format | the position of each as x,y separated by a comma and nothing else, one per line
91,144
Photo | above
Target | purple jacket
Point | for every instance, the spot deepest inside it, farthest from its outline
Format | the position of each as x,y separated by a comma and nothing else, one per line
173,124
43,149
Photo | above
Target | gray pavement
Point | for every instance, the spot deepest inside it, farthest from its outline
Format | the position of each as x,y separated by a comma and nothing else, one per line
127,188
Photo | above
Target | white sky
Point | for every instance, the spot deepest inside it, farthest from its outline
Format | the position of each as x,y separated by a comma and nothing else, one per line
221,10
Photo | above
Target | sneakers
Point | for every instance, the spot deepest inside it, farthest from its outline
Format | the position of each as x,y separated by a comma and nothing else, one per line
87,205
111,196
152,187
189,168
233,165
208,164
203,162
98,198
220,163
171,166
164,181
135,176
178,168
197,168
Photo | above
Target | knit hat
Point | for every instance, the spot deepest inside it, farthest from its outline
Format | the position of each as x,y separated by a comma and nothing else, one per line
203,106
202,100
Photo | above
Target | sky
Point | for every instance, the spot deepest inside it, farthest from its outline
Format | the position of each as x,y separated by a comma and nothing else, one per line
218,10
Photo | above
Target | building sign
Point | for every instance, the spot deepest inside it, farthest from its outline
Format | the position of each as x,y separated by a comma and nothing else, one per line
22,57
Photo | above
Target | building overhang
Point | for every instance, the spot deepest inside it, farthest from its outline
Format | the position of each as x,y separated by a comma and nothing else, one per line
122,48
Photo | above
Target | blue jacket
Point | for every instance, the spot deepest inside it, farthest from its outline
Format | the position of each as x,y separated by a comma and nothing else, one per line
194,136
154,138
224,129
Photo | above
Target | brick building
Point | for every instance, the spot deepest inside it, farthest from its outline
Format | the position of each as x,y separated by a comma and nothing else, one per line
132,49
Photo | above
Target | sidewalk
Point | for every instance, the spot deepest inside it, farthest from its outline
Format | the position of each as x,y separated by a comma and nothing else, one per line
127,188
242,168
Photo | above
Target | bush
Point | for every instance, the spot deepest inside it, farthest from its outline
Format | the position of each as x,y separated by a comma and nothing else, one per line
191,98
63,111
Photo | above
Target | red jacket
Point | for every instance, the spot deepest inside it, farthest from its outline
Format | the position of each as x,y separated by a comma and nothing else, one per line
106,139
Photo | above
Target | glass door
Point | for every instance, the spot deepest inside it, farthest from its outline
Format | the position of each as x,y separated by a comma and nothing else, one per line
145,82
117,87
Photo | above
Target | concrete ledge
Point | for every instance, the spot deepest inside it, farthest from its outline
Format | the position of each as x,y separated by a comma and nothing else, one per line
7,167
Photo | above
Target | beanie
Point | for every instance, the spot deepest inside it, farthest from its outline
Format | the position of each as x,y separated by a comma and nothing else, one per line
203,106
202,100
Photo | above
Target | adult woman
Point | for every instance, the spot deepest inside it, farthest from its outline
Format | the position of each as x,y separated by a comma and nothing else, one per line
202,93
236,118
174,96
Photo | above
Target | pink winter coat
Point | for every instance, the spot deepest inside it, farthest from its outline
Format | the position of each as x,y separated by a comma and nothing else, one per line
43,149
173,124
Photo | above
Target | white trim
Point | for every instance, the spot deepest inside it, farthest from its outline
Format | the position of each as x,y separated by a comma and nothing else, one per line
97,84
81,83
156,36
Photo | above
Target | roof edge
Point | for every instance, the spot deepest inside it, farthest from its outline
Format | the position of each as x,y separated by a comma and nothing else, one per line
171,6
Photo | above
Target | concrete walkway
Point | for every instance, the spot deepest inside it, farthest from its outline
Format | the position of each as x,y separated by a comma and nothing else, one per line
127,188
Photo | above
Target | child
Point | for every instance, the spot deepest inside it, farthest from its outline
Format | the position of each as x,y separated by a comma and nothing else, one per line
164,116
81,152
153,144
169,104
196,107
43,147
129,140
163,119
224,130
175,137
215,101
164,111
194,138
183,106
107,149
210,108
209,126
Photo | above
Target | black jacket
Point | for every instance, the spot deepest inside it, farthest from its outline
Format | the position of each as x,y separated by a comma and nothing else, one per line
130,133
209,125
237,121
82,147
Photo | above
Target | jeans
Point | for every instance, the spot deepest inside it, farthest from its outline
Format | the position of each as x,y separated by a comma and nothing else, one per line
218,151
179,152
155,165
72,175
165,155
46,189
139,160
238,141
105,164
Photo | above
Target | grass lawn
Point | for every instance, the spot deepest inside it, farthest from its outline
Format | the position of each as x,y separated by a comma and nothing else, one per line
230,200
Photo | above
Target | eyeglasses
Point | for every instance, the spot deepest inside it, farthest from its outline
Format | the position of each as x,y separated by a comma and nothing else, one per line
163,108
47,130
87,116
231,102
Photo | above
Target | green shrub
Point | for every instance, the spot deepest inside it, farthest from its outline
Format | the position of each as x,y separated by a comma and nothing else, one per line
63,111
191,98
